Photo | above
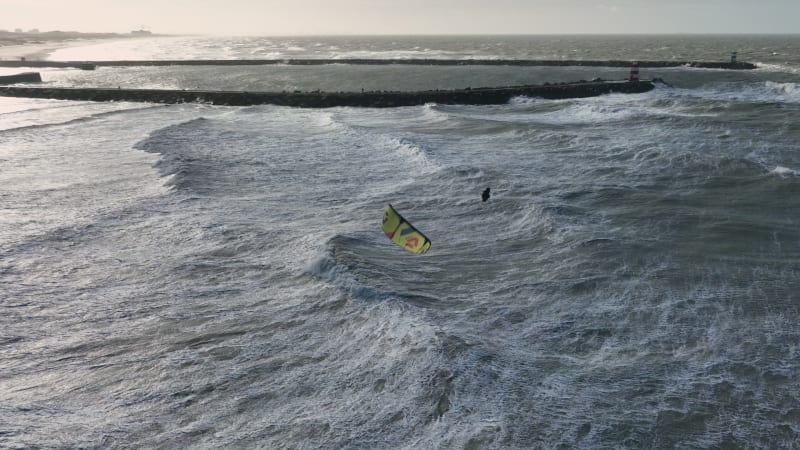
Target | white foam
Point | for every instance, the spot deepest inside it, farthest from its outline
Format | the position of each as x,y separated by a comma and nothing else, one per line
124,49
784,172
410,152
392,54
432,114
25,113
592,113
525,101
777,68
406,155
578,113
531,219
326,120
81,178
788,90
765,92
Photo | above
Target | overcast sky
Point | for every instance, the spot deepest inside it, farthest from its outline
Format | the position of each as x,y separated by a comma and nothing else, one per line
292,17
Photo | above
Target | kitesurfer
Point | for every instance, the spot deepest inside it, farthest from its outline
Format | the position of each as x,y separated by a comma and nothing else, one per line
485,194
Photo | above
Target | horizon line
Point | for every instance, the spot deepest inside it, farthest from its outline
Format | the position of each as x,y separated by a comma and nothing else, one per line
213,34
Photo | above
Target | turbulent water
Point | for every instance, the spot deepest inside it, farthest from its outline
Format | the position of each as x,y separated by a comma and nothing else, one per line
191,276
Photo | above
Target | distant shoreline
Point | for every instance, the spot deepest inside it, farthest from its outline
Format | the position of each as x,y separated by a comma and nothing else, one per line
39,51
37,46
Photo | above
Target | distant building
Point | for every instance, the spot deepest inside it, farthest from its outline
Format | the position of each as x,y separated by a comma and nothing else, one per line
17,30
141,32
33,30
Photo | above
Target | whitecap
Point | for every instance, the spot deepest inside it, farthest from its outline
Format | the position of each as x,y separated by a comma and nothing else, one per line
784,172
777,68
784,89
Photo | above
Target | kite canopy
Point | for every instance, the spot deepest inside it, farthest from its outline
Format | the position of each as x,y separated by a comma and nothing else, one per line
403,233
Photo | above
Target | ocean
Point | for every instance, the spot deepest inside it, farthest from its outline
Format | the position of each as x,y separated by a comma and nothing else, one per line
196,276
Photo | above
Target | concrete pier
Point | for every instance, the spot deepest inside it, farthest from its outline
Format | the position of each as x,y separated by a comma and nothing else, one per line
732,65
318,99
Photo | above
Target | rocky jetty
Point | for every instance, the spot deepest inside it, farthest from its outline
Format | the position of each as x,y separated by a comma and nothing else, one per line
25,77
419,62
321,99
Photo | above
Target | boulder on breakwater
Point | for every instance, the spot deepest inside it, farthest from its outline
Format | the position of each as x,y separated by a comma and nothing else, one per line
321,99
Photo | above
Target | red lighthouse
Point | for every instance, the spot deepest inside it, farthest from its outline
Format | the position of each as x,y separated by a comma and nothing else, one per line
634,72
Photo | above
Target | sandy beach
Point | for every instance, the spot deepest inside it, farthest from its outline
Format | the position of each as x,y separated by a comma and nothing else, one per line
41,51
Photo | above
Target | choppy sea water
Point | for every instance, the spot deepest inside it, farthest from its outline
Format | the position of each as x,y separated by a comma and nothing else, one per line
192,276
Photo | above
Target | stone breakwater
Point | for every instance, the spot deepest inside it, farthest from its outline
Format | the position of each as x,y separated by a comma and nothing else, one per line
25,77
321,99
422,62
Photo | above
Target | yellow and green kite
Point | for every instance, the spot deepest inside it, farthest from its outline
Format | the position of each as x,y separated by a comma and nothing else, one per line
403,233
